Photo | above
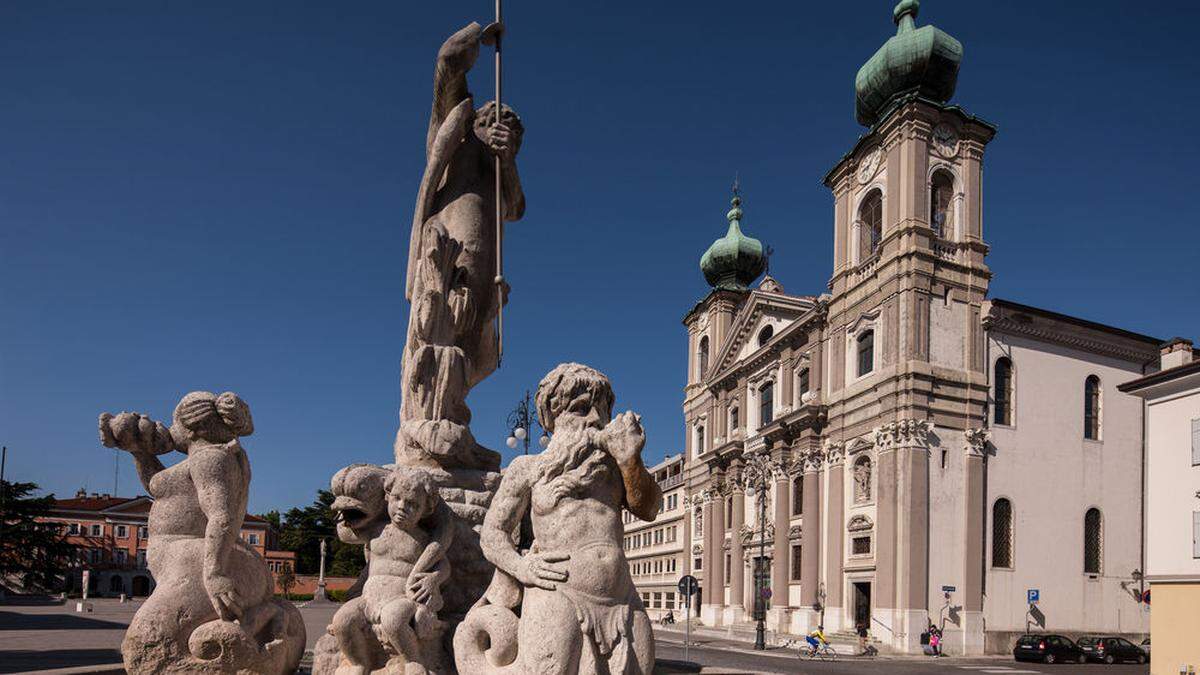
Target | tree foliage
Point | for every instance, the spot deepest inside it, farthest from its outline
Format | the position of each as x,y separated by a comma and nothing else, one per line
32,553
301,530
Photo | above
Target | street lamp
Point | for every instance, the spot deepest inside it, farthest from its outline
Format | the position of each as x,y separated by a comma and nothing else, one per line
757,474
520,422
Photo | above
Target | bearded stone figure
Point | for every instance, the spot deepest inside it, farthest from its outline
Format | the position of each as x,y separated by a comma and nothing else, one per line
213,609
564,601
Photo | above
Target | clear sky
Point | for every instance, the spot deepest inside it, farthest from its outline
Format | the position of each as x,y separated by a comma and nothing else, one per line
217,195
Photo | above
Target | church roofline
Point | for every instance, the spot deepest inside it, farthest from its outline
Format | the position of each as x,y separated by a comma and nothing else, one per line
885,119
1076,321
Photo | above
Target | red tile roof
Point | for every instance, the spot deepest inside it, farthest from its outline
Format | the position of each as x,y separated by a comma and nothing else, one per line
104,503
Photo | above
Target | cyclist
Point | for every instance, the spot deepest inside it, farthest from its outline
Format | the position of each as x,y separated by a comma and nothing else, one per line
816,639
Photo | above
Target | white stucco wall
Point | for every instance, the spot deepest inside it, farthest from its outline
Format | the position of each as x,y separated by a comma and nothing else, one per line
1052,475
1173,485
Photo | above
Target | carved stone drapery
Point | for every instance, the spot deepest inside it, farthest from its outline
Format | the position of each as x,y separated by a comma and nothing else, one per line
860,523
903,434
835,454
750,534
794,532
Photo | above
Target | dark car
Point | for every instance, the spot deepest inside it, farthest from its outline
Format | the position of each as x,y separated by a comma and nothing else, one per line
1111,649
1048,648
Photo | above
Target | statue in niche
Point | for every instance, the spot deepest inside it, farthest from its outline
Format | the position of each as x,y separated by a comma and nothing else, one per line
213,608
394,623
862,480
564,601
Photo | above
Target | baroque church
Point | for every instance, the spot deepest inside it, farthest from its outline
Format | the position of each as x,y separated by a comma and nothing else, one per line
935,454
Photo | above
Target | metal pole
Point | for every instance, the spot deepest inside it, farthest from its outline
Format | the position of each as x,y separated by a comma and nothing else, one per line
3,489
499,209
528,423
687,625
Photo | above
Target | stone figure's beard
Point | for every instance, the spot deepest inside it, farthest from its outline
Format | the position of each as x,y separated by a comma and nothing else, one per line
572,463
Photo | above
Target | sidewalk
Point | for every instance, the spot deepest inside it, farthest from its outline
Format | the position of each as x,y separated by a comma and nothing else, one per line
787,645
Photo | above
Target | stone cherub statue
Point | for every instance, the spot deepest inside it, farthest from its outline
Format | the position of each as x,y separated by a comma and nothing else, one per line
213,608
578,609
393,625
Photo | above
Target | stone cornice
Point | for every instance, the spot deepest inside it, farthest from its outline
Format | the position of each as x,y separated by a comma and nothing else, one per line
1005,317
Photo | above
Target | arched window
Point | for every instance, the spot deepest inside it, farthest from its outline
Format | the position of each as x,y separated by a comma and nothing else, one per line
702,356
765,335
798,496
1002,533
1093,542
941,193
766,404
699,439
866,352
862,480
1091,408
1003,381
870,225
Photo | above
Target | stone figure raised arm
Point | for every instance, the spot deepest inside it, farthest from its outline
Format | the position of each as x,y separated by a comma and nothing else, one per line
579,609
213,608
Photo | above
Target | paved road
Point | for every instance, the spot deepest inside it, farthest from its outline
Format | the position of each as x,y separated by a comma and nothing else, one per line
736,660
44,636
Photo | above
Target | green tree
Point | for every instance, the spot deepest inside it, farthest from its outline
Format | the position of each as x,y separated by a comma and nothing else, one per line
31,552
286,580
301,530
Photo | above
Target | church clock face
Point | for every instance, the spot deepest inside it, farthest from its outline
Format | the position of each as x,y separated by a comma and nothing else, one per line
869,165
945,141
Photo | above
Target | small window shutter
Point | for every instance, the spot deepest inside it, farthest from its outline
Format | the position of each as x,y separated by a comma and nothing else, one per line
1196,534
1195,442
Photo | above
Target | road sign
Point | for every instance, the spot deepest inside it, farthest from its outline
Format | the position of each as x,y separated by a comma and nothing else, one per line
688,585
1033,595
1146,596
948,589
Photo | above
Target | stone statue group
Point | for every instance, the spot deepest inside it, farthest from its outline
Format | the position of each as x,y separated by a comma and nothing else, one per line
470,569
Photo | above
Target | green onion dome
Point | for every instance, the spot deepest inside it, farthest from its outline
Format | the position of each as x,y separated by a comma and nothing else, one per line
734,261
923,60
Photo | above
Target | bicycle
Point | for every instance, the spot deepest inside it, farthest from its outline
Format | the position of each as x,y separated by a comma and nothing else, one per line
824,652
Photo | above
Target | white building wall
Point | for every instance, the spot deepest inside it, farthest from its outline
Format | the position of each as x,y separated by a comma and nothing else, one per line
1052,475
1174,482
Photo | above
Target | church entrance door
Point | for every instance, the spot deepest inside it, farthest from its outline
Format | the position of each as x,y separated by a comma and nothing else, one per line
862,603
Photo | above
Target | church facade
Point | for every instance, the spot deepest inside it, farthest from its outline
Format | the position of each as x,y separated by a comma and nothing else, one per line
935,454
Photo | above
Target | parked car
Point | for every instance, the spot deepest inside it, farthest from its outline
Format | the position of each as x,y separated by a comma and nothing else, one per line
1111,649
1048,649
1146,646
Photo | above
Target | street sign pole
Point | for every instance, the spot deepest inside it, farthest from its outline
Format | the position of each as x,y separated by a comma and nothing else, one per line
687,626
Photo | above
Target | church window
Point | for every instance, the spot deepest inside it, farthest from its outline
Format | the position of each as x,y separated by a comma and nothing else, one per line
1091,408
765,335
700,439
866,352
1093,541
729,512
860,546
798,496
862,480
733,419
728,567
766,404
698,527
870,227
702,357
1002,534
1004,391
1196,442
941,193
796,563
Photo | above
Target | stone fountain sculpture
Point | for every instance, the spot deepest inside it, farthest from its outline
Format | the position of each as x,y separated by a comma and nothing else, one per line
213,609
451,346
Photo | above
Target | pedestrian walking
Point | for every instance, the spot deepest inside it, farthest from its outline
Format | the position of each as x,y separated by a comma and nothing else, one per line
861,629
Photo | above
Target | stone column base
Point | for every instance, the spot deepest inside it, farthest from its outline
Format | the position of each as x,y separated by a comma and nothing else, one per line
971,641
804,620
909,625
779,619
710,615
835,621
733,614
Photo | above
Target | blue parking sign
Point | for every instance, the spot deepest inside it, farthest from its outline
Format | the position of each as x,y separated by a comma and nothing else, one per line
1033,595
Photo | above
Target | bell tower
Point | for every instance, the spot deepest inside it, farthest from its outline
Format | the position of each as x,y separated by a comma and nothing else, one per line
906,380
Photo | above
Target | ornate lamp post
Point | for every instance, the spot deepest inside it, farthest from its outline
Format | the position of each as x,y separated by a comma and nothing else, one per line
757,474
520,423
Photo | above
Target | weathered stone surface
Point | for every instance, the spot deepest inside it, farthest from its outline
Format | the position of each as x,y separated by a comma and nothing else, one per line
578,609
213,609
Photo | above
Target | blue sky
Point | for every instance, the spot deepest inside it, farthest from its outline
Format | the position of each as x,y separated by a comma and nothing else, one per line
217,196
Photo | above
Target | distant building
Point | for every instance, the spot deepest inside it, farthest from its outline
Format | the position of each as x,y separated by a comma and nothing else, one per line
656,550
1172,398
934,454
110,537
